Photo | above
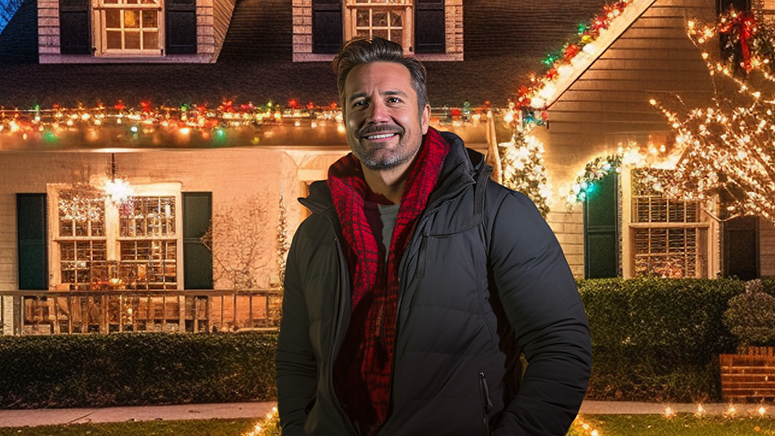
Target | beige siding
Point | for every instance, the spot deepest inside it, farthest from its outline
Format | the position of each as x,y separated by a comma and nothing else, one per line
568,226
222,12
609,103
8,277
766,247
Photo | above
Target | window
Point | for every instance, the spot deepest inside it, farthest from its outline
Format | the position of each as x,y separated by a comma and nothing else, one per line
129,27
432,30
669,238
379,18
101,245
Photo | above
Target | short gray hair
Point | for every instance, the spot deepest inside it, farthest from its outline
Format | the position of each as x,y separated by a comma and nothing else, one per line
360,51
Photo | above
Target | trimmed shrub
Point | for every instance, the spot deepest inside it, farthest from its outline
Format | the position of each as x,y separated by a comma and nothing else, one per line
135,369
751,316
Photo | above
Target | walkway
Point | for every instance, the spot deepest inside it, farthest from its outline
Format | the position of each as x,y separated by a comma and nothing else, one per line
22,418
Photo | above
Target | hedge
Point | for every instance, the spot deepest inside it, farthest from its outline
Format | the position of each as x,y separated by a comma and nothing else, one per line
135,369
653,340
659,339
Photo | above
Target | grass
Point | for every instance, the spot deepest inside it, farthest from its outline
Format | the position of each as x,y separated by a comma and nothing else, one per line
679,425
211,427
606,425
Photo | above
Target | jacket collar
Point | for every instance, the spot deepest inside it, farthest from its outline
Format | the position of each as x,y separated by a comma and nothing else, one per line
461,167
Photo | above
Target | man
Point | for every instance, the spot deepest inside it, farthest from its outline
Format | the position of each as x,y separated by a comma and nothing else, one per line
411,284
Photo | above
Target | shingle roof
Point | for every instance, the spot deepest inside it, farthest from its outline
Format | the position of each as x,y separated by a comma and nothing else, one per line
505,40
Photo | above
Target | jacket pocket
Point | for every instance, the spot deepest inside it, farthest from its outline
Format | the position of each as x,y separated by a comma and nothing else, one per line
484,394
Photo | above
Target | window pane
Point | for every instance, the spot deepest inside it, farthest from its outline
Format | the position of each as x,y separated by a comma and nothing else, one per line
395,19
114,40
362,18
150,40
379,19
396,35
363,32
131,2
149,19
132,40
380,33
113,19
131,20
110,2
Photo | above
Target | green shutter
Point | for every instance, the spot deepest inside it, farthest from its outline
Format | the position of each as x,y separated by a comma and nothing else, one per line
197,259
33,241
601,229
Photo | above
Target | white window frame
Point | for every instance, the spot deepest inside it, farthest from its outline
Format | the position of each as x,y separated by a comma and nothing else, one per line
112,231
707,232
99,28
406,7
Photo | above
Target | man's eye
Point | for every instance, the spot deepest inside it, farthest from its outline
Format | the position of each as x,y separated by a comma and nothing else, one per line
394,100
359,103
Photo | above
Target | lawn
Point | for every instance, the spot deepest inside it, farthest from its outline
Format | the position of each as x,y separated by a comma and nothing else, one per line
604,425
679,425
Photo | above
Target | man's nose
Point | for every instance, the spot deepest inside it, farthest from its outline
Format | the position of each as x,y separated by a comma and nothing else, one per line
378,113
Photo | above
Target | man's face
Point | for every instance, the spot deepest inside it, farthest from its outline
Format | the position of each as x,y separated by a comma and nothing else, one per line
384,126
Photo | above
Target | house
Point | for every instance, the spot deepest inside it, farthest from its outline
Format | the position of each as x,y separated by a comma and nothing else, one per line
180,99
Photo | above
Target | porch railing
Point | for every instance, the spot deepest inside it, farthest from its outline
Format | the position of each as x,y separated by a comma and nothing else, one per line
73,312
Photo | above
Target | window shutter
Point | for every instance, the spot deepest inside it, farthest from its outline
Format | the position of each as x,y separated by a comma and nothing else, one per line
181,26
74,27
327,26
32,241
429,33
197,259
601,237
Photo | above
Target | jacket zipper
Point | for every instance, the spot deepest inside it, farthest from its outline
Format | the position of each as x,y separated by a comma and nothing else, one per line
484,392
401,281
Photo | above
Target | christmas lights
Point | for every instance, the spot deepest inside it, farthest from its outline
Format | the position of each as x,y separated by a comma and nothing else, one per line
728,148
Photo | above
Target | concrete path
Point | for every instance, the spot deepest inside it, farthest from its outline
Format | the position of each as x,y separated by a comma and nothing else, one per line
23,418
34,417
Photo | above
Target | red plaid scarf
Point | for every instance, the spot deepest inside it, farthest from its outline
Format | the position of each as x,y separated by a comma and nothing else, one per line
363,367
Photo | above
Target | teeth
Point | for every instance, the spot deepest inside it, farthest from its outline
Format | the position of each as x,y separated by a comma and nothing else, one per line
386,135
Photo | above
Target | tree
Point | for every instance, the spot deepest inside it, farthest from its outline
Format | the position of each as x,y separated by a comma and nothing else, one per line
237,239
728,147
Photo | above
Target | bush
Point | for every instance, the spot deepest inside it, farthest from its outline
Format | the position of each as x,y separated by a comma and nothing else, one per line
657,339
751,316
135,369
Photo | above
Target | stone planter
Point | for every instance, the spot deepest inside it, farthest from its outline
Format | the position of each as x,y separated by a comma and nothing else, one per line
748,375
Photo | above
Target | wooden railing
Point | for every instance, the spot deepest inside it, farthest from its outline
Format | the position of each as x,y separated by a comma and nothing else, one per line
71,312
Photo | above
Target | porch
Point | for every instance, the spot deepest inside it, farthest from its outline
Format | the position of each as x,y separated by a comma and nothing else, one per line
116,311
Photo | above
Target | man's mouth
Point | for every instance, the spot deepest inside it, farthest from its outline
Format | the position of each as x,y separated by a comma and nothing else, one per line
380,136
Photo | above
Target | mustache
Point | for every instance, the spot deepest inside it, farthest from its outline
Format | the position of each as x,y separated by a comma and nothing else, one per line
372,129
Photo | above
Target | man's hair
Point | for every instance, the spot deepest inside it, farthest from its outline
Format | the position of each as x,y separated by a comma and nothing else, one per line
360,51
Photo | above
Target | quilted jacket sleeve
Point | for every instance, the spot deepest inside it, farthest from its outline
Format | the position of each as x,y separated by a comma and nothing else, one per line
542,303
295,361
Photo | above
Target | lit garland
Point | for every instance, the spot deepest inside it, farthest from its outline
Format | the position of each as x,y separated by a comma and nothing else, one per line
187,124
593,171
524,170
729,147
532,99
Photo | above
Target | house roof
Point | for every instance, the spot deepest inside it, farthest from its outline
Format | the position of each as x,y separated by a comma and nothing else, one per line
505,42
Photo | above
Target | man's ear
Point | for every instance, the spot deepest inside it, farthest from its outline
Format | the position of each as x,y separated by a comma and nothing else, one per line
426,118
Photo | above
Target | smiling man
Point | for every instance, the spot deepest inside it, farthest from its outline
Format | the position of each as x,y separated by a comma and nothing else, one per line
416,282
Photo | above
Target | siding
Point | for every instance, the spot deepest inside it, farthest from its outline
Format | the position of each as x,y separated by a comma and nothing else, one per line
8,263
609,103
222,14
260,29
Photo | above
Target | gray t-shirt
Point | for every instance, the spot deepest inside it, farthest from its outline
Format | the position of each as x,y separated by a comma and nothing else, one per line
382,220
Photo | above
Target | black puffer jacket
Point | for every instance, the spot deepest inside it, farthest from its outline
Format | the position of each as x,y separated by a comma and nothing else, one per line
481,263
